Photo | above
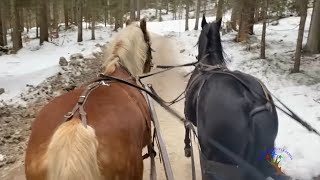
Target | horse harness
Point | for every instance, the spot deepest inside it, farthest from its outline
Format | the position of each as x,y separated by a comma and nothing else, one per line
211,166
105,80
101,81
214,69
81,102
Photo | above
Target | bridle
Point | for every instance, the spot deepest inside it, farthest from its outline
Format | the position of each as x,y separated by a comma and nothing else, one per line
147,66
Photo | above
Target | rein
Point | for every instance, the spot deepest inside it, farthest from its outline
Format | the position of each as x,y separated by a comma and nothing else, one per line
242,163
290,113
161,102
167,68
154,96
211,68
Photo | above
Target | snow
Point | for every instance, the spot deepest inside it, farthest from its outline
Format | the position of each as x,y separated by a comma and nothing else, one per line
35,63
298,91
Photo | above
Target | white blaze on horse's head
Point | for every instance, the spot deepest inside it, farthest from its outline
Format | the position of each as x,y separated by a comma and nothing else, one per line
129,48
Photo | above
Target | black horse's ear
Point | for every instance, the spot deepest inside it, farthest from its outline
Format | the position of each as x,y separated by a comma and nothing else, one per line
143,25
218,22
204,21
128,22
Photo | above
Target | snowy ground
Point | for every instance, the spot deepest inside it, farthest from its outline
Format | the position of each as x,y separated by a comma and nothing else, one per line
299,91
33,63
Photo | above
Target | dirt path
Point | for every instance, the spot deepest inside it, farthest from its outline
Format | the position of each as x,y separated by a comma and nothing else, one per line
168,85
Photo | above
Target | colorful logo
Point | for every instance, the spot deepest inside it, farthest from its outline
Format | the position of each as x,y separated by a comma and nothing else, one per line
274,156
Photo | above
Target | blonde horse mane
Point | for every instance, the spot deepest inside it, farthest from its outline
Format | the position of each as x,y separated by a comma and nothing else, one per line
128,48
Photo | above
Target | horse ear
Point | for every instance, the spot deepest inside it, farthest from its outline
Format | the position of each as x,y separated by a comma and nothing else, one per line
204,21
218,23
143,25
128,22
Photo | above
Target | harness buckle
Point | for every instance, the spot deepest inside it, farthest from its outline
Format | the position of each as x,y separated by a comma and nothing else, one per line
81,99
103,83
68,116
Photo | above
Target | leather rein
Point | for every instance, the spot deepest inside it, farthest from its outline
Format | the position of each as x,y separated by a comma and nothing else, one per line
105,80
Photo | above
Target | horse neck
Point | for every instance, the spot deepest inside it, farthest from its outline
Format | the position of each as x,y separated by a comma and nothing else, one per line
122,73
213,59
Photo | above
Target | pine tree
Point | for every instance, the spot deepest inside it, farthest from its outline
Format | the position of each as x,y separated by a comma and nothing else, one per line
313,43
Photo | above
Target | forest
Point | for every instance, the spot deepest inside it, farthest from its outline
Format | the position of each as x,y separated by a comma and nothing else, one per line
50,47
48,16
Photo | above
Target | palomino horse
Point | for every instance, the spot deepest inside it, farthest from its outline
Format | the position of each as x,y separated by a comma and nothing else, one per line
105,137
233,108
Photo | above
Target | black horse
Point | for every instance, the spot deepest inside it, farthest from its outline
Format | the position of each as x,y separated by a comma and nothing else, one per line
233,108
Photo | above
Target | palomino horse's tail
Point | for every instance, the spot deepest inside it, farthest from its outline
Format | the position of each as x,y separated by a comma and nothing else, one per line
72,153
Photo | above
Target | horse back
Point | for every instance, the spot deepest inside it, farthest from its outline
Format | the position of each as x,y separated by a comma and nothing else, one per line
220,103
119,115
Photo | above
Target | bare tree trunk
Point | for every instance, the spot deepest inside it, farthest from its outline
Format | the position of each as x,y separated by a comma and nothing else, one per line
174,10
37,24
264,27
116,22
105,13
132,10
20,24
93,27
37,20
16,34
44,35
75,18
245,20
197,15
219,10
21,18
55,18
4,16
205,5
49,18
303,12
80,16
29,19
235,14
313,43
108,12
187,17
160,8
138,10
66,13
1,25
86,15
257,16
122,13
24,12
167,6
251,16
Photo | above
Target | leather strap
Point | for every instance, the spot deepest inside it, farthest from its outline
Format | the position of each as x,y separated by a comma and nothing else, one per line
81,102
